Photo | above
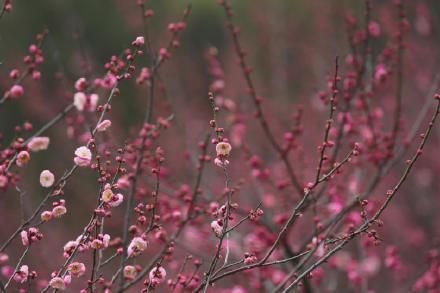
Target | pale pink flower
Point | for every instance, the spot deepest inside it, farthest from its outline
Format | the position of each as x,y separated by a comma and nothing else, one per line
22,274
59,211
24,238
106,240
46,216
79,100
217,227
16,91
38,143
4,258
223,149
83,156
130,272
221,163
67,279
58,283
69,247
140,41
117,200
103,126
81,84
76,269
3,181
93,102
107,195
137,246
47,178
22,158
157,275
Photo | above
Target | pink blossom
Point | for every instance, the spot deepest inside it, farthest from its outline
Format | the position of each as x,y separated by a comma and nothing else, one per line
108,82
46,216
380,73
47,178
22,274
221,163
14,73
76,269
3,181
16,91
59,211
157,275
117,200
81,84
24,238
23,158
3,258
69,247
79,100
107,195
58,283
129,272
139,41
217,227
92,102
83,156
223,149
103,126
374,29
38,143
137,246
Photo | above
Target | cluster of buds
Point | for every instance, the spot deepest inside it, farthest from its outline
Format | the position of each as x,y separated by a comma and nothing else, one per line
30,236
32,60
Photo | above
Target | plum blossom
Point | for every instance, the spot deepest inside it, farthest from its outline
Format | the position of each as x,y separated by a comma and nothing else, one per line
129,272
79,100
117,200
138,42
58,283
157,275
59,211
3,181
81,84
103,126
83,156
22,274
221,163
223,149
46,216
23,158
69,247
101,242
24,238
217,227
82,102
107,195
16,91
137,246
47,178
76,269
38,143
